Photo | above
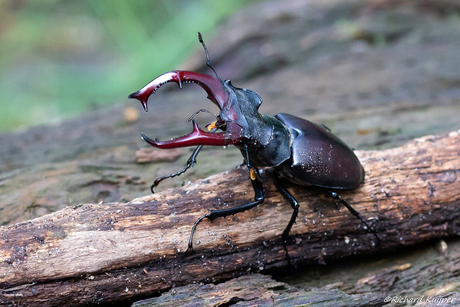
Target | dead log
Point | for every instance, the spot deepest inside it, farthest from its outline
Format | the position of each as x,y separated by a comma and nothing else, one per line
114,252
258,290
432,282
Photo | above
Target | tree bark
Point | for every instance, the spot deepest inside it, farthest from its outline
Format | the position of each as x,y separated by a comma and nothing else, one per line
113,252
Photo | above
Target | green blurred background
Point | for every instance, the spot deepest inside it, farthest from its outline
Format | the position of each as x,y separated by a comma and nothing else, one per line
59,58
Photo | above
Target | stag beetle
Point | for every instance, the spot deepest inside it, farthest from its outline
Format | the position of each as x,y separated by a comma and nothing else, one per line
298,150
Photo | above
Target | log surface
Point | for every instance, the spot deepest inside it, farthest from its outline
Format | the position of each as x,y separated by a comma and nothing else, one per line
258,290
107,252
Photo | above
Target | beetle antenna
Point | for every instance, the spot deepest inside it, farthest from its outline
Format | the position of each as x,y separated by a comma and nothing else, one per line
200,38
201,110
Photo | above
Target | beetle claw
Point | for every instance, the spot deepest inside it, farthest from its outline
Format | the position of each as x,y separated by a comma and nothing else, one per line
213,86
231,136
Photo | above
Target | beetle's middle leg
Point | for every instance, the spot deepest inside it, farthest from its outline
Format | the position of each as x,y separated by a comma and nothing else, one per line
258,199
292,201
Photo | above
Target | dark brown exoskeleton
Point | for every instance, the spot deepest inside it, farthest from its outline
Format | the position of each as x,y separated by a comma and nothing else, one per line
298,150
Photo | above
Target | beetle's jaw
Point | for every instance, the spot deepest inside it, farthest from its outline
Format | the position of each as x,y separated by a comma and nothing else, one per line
213,86
231,136
217,93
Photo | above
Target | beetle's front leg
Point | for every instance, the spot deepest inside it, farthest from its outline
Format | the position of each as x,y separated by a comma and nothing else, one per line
190,162
258,199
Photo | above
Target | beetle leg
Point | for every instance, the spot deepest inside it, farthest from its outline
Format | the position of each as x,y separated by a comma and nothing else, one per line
258,199
252,170
354,212
190,162
292,201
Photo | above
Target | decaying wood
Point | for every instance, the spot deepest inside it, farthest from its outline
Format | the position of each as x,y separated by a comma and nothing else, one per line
432,281
100,253
258,290
261,290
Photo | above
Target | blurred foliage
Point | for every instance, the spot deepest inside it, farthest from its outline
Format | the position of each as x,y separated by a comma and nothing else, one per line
59,58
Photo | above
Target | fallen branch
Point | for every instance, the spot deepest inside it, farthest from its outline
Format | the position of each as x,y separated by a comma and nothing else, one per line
107,252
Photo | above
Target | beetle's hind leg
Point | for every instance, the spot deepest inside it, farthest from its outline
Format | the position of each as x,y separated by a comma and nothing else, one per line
354,212
258,199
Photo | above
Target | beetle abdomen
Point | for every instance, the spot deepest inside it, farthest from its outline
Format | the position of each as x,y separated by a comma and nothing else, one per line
318,157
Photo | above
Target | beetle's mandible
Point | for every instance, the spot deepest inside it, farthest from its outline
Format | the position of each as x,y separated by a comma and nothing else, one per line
298,150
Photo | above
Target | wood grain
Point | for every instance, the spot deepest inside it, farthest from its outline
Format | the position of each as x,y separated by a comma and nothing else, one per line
114,252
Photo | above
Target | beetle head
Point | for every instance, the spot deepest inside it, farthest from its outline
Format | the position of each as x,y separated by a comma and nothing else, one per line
238,108
241,102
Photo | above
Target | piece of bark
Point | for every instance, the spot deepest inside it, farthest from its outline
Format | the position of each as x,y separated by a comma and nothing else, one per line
107,252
